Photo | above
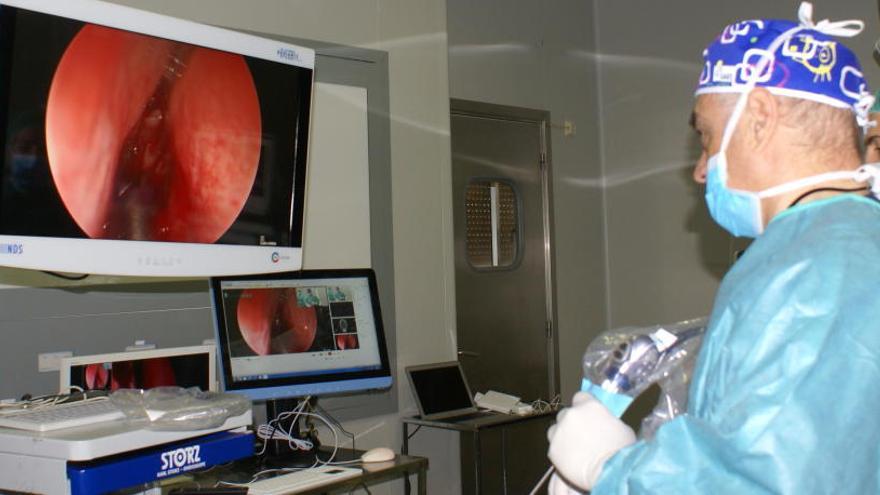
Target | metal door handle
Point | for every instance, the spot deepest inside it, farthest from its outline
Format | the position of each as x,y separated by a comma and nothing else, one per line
468,353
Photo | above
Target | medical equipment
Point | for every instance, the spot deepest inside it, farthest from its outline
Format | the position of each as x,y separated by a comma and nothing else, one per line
61,416
620,364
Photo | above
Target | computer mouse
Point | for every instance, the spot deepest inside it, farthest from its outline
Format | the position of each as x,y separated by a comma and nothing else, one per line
379,454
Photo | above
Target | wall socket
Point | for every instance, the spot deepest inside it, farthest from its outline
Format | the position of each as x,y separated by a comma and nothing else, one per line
51,361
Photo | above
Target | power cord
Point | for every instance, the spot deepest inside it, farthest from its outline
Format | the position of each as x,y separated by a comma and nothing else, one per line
27,402
66,277
542,406
542,480
345,432
274,430
418,427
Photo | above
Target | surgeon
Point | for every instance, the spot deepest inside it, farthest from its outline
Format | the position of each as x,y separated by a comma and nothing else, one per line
786,391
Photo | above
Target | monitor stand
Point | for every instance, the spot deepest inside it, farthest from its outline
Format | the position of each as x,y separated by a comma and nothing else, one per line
280,450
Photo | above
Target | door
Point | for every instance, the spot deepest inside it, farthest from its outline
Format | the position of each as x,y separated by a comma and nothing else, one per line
503,269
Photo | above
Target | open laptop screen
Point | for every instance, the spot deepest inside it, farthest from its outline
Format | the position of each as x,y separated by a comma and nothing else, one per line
440,389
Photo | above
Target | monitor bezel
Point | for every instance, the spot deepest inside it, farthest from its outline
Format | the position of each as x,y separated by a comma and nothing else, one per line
320,384
163,258
136,355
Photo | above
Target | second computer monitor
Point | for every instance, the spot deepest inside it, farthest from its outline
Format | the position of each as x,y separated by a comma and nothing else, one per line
186,367
313,332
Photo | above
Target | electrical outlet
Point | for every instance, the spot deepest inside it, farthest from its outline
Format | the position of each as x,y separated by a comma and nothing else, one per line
51,361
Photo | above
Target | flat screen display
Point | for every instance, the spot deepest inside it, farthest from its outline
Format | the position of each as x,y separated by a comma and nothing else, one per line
300,333
121,134
177,371
186,367
441,389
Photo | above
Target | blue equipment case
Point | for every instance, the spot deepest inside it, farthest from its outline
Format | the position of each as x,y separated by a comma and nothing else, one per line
156,463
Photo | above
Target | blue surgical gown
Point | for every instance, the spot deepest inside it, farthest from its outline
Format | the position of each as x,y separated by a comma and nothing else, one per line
785,397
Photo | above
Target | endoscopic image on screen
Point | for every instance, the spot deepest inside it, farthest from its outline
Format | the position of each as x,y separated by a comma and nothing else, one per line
344,325
278,321
110,134
182,371
347,341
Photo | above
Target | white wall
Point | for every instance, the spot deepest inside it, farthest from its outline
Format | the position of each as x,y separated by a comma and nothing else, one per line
541,55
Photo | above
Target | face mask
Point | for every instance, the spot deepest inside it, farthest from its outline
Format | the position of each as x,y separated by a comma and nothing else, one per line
739,212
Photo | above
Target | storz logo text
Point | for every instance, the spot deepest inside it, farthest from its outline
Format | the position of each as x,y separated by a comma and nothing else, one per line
180,460
11,248
288,54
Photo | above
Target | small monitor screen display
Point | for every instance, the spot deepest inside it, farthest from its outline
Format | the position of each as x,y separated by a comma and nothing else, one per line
306,329
112,134
188,370
440,389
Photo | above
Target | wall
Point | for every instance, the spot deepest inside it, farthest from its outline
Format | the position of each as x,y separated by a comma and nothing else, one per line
413,34
634,242
540,55
666,256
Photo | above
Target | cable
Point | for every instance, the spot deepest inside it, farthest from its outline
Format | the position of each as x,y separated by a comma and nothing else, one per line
542,406
28,402
542,480
71,388
66,277
273,430
419,427
337,423
824,189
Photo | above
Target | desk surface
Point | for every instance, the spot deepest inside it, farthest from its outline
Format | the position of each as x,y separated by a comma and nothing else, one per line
476,424
243,470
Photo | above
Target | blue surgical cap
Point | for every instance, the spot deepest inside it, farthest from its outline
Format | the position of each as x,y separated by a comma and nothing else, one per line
806,62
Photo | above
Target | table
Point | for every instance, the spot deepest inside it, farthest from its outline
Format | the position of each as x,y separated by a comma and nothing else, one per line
475,427
403,466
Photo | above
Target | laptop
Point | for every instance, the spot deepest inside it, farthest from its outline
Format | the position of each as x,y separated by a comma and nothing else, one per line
442,393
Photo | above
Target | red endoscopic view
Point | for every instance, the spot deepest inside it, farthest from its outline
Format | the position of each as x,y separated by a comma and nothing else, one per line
150,139
347,341
271,322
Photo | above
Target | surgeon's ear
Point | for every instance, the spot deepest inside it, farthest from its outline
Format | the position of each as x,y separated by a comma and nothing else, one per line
763,117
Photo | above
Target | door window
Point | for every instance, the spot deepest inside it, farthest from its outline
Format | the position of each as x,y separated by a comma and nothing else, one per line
492,224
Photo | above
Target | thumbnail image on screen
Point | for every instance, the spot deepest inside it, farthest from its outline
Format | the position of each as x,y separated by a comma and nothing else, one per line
111,134
266,321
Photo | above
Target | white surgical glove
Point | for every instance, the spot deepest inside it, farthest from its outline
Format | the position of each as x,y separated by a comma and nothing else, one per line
558,486
584,437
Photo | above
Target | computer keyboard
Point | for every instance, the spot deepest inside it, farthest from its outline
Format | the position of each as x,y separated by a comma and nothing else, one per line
302,480
68,415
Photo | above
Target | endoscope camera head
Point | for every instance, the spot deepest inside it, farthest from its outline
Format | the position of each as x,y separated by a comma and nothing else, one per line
631,361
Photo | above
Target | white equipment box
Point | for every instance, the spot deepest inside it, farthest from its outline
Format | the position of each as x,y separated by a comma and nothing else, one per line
37,462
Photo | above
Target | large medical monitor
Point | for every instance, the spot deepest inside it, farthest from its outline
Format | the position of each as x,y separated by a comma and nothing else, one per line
139,144
296,334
